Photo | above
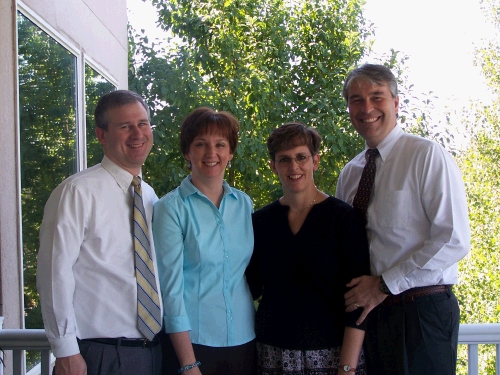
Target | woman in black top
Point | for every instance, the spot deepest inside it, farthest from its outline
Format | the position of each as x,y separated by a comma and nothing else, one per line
308,246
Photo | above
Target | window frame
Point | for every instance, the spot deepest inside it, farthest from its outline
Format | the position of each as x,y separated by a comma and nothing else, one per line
81,60
81,147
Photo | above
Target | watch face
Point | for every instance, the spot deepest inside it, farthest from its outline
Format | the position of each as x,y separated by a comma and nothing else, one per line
347,368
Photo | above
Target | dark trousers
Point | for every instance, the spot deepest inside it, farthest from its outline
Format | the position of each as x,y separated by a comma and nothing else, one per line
105,359
414,338
231,360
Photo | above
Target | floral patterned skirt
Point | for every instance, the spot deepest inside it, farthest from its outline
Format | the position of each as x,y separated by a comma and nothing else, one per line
276,361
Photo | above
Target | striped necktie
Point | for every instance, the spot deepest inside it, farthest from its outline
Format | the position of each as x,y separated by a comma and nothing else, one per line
148,302
362,197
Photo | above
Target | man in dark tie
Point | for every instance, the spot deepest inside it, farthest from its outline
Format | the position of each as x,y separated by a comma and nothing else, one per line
96,266
410,193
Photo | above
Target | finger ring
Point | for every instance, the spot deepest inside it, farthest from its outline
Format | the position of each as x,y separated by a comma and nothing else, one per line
357,306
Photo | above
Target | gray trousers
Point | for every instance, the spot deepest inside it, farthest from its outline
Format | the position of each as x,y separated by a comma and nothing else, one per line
105,359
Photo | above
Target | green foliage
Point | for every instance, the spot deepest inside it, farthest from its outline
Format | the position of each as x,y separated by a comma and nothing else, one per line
95,87
47,142
267,62
477,290
479,285
488,56
479,282
47,138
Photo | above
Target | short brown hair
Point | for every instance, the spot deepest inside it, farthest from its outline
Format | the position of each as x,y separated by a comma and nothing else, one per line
292,135
205,120
112,100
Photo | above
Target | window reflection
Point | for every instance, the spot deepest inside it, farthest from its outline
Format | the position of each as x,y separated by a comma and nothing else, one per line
95,87
47,105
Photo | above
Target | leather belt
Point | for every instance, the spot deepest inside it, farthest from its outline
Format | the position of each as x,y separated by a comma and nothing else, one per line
121,341
410,295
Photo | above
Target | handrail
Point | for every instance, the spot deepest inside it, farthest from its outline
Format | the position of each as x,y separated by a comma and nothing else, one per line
475,334
487,333
25,339
19,340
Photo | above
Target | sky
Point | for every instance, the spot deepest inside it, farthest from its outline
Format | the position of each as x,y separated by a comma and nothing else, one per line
439,36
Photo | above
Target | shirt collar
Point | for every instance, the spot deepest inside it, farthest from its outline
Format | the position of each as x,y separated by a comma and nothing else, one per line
385,147
122,177
187,188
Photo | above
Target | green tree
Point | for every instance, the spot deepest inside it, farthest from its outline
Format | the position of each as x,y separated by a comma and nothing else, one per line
267,62
47,103
47,138
95,87
479,285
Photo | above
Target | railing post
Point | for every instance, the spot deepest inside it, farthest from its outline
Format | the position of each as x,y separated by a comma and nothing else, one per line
473,360
497,360
45,363
1,354
17,362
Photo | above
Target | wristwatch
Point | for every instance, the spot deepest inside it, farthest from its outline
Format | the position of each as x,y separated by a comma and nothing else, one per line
348,368
383,287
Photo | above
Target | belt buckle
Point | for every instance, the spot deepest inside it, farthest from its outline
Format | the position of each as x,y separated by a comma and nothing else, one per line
144,343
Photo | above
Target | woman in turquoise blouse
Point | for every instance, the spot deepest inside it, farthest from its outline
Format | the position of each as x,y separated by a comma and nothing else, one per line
204,239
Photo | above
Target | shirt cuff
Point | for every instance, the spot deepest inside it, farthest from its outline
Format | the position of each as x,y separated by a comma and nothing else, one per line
395,281
177,324
64,346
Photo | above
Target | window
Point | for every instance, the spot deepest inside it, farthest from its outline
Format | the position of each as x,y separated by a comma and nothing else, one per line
95,87
51,135
47,105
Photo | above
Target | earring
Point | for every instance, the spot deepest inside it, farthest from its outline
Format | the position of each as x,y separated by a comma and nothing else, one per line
229,164
188,164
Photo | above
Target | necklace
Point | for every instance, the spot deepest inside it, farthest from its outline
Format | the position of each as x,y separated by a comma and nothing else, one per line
305,209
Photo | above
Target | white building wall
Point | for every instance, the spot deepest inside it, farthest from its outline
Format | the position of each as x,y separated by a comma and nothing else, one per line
98,28
10,248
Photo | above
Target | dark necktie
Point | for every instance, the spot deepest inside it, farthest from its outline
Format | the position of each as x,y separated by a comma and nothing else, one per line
360,202
148,301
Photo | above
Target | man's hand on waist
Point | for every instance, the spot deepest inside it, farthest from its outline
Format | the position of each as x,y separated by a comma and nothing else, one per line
365,293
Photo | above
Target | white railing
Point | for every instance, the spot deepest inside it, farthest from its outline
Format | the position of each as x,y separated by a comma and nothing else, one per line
475,334
19,340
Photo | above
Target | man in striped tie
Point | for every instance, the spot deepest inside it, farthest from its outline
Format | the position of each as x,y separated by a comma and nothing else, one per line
97,274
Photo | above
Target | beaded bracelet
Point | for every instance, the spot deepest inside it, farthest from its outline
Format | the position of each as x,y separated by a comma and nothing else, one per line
189,367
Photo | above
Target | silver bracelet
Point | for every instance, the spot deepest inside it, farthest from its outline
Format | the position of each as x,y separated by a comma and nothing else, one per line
188,367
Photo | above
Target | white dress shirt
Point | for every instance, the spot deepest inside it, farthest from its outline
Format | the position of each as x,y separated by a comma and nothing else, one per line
418,225
86,269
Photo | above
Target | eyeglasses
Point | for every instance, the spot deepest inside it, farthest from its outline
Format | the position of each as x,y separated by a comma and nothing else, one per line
285,161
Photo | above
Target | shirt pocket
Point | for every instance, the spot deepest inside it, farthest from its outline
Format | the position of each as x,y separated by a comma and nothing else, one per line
393,209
